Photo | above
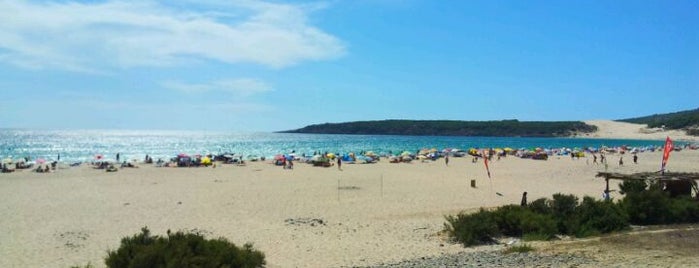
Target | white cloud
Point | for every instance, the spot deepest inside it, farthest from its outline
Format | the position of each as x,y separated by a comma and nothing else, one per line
241,86
94,36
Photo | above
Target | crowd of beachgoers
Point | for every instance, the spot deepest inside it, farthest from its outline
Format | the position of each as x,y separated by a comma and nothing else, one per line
326,159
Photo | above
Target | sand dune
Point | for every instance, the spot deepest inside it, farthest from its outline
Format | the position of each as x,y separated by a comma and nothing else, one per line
608,129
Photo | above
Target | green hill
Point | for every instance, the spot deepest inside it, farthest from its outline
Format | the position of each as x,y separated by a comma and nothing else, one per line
687,120
505,128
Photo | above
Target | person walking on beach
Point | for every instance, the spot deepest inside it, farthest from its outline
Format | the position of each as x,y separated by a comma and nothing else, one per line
446,160
524,200
635,158
594,159
59,156
339,163
621,161
117,157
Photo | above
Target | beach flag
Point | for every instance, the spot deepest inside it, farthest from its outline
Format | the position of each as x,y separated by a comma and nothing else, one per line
485,160
666,153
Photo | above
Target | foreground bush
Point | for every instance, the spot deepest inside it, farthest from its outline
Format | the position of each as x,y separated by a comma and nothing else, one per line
472,229
595,217
644,204
543,219
181,250
518,221
652,205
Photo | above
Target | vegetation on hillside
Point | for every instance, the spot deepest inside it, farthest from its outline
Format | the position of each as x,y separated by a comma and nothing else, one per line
505,128
687,120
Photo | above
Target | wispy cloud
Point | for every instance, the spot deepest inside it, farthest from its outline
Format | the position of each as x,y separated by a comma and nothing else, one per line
84,36
240,86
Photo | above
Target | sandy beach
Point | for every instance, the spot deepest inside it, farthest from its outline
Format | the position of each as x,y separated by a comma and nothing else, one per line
366,214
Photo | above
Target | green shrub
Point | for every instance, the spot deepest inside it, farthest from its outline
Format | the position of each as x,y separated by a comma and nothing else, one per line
542,219
632,186
684,210
472,229
563,209
181,250
515,220
597,217
88,265
509,219
538,226
518,249
647,207
541,206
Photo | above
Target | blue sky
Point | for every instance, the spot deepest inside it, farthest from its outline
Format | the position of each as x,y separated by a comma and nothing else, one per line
278,65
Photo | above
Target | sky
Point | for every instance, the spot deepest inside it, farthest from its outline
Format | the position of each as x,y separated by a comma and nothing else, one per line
252,66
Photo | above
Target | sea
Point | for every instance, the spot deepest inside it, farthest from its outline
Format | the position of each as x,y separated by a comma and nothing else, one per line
86,145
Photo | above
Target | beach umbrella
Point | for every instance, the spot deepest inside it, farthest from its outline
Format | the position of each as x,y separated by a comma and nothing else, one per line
7,161
206,160
40,161
99,156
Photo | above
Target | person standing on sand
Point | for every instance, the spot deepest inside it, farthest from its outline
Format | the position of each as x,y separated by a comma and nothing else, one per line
446,159
621,161
339,163
524,200
635,158
117,158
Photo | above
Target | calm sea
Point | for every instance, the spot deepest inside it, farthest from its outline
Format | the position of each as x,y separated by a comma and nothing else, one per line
84,145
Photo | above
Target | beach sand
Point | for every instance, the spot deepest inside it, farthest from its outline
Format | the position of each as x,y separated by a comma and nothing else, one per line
370,213
306,217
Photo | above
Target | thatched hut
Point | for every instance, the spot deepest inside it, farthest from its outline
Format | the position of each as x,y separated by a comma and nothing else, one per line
676,183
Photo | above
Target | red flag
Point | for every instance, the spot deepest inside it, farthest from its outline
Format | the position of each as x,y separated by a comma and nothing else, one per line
485,160
666,152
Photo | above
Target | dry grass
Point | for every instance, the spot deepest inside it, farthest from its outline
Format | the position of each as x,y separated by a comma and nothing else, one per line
658,246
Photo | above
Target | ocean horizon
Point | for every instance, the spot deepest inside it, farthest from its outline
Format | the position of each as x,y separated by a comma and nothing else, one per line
84,145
